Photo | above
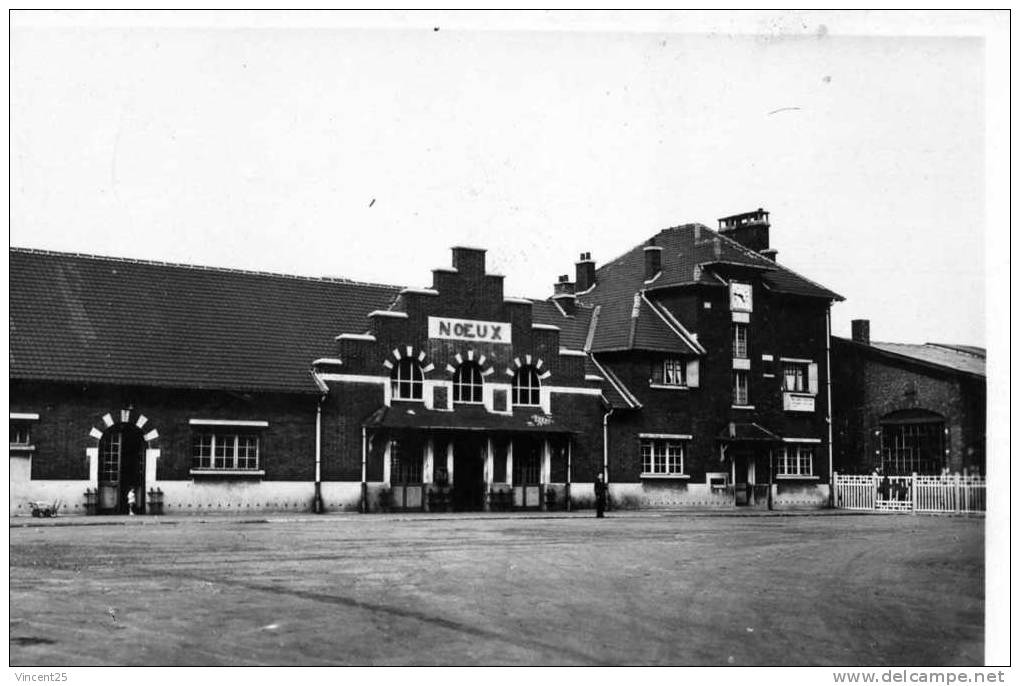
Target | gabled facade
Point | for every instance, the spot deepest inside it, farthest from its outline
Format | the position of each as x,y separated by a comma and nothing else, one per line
457,397
908,408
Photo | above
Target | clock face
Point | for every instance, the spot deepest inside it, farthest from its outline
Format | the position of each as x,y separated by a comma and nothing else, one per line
740,296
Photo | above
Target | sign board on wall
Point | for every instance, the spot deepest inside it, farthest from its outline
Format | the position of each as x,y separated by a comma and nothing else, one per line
469,330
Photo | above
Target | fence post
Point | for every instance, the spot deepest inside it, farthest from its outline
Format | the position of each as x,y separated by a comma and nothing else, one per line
956,492
835,492
913,492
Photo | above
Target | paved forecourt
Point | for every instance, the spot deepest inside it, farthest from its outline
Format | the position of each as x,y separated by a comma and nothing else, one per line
669,589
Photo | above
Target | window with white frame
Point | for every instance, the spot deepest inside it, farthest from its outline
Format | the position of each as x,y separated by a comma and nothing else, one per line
527,388
406,380
674,371
795,376
740,340
796,460
662,456
21,433
225,450
467,383
740,392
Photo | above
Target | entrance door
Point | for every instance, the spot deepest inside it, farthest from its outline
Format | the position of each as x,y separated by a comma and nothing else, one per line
121,469
743,477
468,477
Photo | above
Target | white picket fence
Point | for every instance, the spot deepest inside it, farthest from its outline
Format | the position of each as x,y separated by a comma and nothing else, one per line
915,493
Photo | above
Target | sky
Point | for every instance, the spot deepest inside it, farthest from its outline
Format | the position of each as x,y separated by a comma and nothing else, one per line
365,146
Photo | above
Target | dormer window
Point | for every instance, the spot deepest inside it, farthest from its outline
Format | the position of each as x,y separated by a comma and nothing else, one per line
527,388
407,380
467,383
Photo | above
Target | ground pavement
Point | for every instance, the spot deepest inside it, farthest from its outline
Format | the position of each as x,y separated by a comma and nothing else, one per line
634,589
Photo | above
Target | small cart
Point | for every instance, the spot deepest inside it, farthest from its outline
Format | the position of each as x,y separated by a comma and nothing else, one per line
44,509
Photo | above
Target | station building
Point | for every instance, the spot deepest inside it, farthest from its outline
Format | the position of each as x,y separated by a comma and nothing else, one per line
692,370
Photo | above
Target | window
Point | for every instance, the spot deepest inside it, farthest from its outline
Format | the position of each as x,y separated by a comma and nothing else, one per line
674,372
467,383
913,447
221,450
405,463
21,434
740,394
796,460
527,462
662,456
795,377
407,380
740,340
526,387
109,456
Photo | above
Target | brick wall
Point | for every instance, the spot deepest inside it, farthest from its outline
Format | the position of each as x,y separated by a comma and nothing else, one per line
868,386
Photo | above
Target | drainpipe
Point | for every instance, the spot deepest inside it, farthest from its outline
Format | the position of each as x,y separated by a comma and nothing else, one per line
828,396
570,442
605,450
364,472
317,503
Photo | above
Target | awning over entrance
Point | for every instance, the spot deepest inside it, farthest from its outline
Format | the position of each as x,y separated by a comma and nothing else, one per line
747,431
529,420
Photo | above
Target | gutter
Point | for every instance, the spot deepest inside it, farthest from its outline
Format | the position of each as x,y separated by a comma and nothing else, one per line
364,473
317,507
828,396
605,446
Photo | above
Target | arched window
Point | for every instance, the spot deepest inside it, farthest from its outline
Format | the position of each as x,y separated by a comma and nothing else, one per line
467,383
527,387
406,380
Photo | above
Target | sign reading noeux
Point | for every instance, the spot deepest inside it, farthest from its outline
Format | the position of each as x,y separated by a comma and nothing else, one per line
469,330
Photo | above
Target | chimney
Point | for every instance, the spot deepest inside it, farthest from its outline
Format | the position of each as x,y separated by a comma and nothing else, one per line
860,330
585,273
653,260
563,294
564,286
750,229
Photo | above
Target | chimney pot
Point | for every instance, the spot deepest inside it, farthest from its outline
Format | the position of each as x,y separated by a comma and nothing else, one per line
653,261
860,330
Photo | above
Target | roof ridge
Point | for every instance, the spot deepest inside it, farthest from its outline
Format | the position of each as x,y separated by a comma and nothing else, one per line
198,267
778,265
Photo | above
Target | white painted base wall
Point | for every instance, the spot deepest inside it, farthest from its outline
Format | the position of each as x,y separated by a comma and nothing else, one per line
70,493
651,495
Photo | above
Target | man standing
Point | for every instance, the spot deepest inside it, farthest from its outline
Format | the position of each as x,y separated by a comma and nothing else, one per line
600,496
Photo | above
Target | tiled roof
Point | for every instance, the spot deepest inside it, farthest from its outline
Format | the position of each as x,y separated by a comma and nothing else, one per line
688,254
467,418
955,358
573,329
98,319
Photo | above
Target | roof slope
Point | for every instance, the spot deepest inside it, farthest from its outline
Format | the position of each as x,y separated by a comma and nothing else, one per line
688,252
100,319
938,355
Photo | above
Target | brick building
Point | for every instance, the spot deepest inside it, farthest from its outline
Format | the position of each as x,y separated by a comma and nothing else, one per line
692,370
906,408
716,360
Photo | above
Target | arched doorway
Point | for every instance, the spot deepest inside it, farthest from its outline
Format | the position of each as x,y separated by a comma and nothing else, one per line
121,469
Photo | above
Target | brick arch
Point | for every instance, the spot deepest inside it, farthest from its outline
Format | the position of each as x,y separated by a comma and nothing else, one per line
470,356
408,353
126,416
529,361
